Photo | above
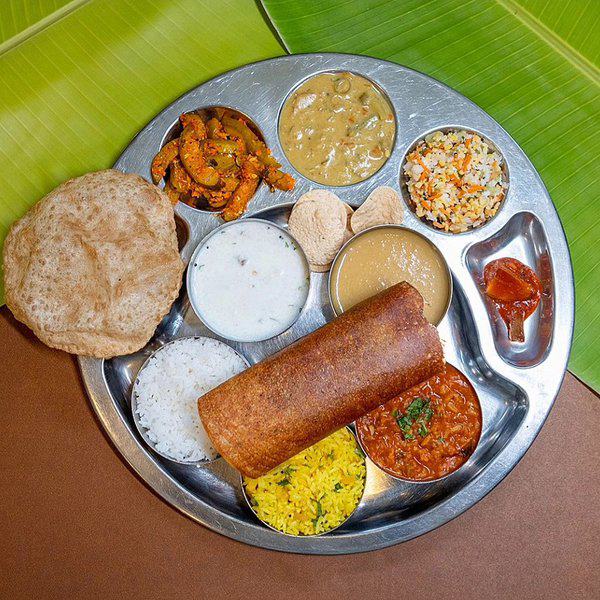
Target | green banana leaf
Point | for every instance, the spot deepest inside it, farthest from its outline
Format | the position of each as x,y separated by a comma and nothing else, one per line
78,84
531,64
80,78
16,16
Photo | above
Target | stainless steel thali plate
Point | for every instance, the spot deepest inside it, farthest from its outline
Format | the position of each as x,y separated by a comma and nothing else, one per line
516,383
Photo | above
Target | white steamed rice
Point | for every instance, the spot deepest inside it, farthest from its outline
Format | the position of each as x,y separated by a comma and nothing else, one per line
167,391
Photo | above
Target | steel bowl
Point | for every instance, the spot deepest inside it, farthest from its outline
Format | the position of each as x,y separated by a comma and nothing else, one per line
192,296
437,479
341,251
404,179
134,398
314,535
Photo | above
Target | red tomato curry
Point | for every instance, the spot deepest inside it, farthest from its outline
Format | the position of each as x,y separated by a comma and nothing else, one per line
428,431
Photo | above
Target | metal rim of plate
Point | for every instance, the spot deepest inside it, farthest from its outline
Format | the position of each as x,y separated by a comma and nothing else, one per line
422,105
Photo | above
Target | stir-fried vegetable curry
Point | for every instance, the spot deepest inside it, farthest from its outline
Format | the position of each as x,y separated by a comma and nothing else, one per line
217,163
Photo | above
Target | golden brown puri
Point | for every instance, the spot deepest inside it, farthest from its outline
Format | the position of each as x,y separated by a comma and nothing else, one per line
293,399
94,266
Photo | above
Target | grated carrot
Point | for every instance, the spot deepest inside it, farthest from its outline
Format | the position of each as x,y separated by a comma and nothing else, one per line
422,163
466,163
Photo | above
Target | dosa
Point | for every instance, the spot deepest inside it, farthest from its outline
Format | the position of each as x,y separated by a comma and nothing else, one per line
324,381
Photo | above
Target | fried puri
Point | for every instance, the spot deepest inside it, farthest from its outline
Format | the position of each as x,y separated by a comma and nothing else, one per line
94,266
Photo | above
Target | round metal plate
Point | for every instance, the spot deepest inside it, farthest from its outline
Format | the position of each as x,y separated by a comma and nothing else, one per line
516,383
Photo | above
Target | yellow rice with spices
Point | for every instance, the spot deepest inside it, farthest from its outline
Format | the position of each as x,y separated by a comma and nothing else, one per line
313,492
455,180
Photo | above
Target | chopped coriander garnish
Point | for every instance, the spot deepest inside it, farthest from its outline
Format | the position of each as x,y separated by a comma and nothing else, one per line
427,412
419,412
414,408
405,423
284,482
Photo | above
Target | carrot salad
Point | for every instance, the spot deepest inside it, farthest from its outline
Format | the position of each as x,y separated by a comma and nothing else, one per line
455,180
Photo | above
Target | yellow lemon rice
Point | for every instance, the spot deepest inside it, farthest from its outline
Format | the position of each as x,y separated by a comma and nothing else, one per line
314,491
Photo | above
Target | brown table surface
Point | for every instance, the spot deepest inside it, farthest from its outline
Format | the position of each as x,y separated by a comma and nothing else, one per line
75,522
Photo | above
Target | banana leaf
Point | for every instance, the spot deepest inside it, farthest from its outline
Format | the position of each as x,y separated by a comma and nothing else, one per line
16,16
531,64
78,84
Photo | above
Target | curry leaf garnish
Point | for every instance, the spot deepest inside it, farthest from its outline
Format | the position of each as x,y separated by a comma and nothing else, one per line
284,482
320,512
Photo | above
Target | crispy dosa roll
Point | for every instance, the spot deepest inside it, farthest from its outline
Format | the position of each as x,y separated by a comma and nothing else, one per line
324,381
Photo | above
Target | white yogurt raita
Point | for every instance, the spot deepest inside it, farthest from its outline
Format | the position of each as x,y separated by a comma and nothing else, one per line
249,281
